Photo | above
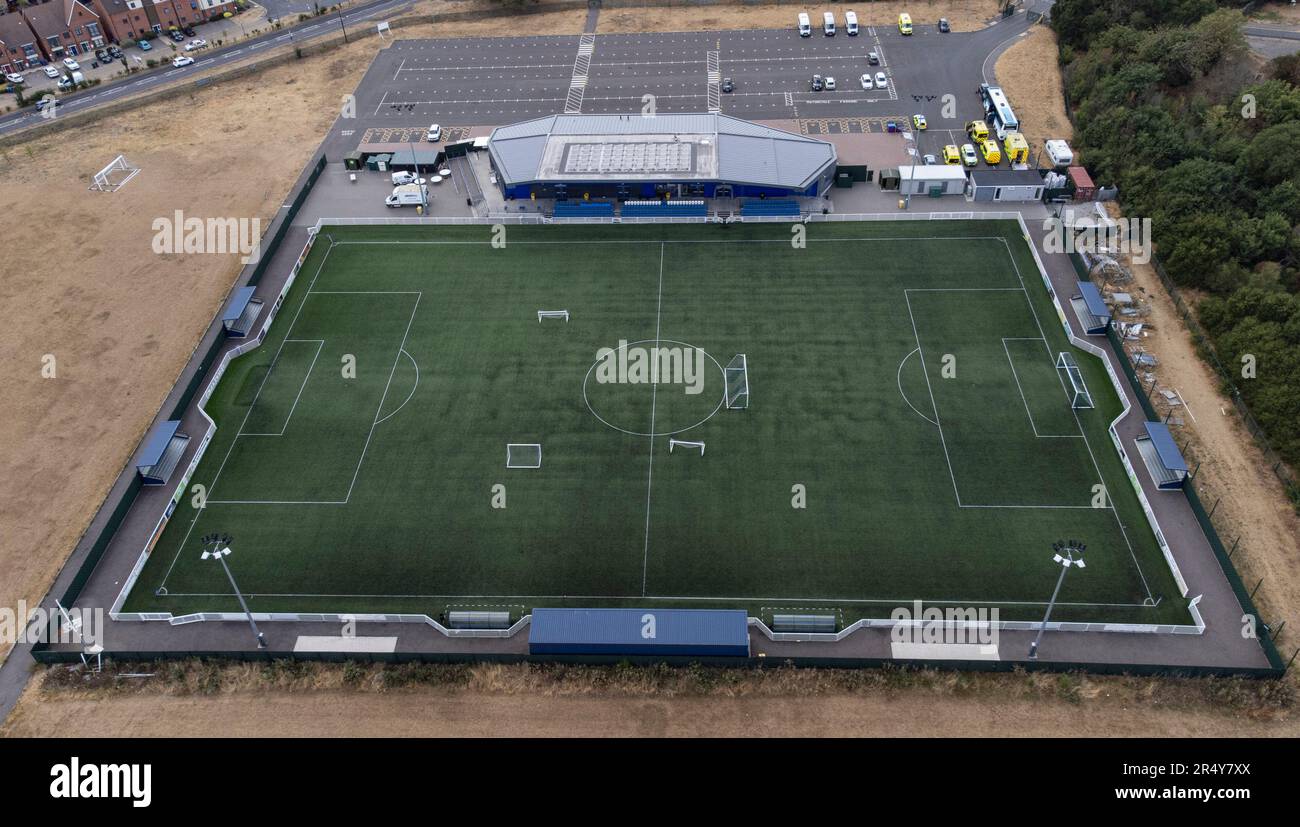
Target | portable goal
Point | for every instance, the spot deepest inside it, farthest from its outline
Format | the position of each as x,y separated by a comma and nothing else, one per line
114,176
683,443
552,314
737,373
1079,395
523,455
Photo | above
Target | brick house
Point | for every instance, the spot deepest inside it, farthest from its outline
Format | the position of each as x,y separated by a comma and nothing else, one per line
128,20
65,28
19,49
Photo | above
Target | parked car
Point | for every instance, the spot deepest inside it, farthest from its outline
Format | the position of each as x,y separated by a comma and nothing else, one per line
929,160
197,43
943,25
144,45
867,82
15,78
114,53
968,156
873,59
434,134
951,155
50,72
188,30
882,82
816,83
727,86
102,56
182,60
919,122
830,84
175,34
64,84
71,64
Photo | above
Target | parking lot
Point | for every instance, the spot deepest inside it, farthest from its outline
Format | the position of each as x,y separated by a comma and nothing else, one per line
496,81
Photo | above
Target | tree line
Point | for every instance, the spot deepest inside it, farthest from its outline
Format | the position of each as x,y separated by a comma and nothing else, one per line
1203,138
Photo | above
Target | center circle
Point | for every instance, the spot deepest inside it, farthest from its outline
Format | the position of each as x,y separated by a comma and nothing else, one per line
666,403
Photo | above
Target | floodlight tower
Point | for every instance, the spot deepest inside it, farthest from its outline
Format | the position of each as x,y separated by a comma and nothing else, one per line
1067,553
217,546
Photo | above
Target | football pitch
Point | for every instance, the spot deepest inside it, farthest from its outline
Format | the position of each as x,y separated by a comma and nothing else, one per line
413,438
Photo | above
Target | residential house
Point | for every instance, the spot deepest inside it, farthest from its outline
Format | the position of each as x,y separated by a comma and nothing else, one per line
65,28
18,47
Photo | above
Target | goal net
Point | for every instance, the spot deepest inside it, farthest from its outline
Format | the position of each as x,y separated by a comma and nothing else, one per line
1079,395
523,455
737,372
114,176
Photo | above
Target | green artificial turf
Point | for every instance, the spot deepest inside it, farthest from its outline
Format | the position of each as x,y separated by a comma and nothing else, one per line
375,493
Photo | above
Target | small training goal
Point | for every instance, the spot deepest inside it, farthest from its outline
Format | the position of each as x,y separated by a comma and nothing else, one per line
737,372
523,455
552,314
1079,395
114,176
683,443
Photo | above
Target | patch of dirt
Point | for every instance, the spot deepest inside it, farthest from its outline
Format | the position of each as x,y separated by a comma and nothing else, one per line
460,714
1031,76
964,15
1285,13
1232,470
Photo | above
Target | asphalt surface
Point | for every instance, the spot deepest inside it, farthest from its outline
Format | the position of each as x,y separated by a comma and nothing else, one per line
495,81
310,30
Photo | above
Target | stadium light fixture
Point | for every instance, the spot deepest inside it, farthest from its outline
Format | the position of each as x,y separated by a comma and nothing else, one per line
217,546
1068,553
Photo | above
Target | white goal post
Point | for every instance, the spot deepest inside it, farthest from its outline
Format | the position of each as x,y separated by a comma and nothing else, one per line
1079,395
682,443
523,455
552,314
737,375
114,176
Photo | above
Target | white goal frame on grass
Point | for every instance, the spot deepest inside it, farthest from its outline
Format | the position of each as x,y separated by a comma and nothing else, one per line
1080,397
737,372
683,443
552,314
510,446
114,176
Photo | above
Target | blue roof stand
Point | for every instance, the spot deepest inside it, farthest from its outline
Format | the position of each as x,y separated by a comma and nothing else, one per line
238,303
682,632
161,452
1162,457
1092,311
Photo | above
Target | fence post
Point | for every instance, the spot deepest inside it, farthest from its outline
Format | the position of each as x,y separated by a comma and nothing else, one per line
1215,506
1233,550
1257,585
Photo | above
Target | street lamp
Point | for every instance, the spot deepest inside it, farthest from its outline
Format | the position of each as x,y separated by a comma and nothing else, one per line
218,546
1068,553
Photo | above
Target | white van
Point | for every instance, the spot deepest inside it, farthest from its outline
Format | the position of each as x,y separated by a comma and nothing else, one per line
805,25
404,177
850,24
408,195
828,24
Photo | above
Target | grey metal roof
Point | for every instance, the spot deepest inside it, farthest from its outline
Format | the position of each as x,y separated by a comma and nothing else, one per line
737,151
1006,178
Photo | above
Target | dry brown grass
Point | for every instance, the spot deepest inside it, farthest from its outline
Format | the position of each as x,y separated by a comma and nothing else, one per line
1031,76
964,15
520,700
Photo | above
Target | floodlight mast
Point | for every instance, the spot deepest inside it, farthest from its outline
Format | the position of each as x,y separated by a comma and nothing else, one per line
218,545
1067,553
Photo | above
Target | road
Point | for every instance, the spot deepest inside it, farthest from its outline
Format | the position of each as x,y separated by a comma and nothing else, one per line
309,30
